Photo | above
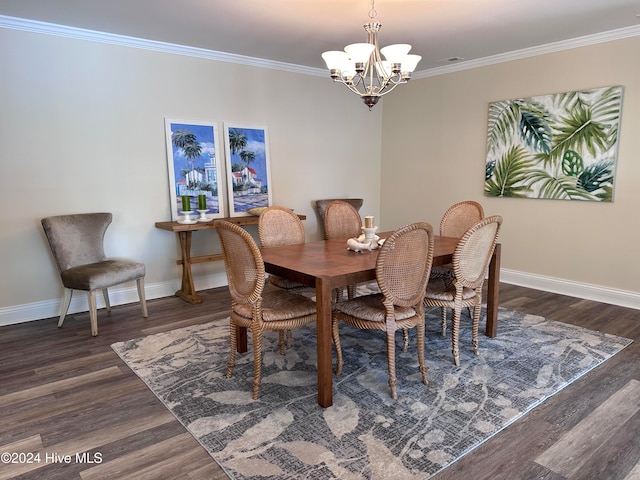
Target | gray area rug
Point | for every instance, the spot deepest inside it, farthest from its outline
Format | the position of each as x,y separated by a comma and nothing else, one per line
364,435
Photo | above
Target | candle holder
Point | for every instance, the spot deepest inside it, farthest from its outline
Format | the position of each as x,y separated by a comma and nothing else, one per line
369,234
203,215
187,215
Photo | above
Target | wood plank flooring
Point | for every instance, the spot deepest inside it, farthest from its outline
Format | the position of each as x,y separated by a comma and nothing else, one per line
64,392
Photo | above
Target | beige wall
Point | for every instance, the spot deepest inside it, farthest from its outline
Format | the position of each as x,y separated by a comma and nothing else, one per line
82,129
433,154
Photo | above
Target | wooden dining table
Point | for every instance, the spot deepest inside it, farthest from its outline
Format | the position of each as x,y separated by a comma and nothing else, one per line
327,264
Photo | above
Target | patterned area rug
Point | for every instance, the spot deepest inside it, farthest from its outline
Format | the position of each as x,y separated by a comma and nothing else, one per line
365,434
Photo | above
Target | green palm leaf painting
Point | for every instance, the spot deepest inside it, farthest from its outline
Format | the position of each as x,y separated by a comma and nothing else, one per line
561,146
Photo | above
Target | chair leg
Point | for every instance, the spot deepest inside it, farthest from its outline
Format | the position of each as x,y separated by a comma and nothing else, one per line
351,292
443,316
336,341
141,295
68,292
284,340
391,361
257,361
93,312
455,331
105,296
474,327
405,340
336,295
420,339
233,340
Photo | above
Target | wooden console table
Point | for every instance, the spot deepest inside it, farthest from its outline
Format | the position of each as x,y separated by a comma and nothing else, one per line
187,291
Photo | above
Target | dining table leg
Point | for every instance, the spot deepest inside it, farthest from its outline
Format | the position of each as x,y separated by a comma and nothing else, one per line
323,335
187,290
493,287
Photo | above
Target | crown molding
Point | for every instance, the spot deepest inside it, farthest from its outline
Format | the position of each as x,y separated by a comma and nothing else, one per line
153,45
134,42
554,47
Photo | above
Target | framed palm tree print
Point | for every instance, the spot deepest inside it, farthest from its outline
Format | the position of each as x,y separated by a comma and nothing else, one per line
195,179
560,146
248,170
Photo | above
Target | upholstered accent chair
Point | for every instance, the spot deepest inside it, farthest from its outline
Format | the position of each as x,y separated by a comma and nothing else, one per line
464,289
77,245
402,272
252,306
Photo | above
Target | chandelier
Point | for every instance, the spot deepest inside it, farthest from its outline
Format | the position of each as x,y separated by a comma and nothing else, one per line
360,66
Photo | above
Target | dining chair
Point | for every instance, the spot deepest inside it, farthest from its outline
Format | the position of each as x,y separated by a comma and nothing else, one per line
460,217
252,306
455,222
342,220
77,245
279,226
321,205
402,271
464,289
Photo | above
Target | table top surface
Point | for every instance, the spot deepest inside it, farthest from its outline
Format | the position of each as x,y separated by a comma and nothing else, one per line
328,258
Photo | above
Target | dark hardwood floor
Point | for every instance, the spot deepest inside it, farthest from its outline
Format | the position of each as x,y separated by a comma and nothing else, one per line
63,391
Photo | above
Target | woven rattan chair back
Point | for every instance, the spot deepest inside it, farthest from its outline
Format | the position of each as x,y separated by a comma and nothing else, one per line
243,263
460,217
279,226
404,264
321,205
341,220
473,253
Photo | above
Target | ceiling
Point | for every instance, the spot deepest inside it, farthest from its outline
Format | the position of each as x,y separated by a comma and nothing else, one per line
298,31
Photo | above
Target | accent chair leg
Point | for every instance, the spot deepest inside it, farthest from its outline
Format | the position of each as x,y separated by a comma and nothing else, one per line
66,301
93,312
143,300
105,296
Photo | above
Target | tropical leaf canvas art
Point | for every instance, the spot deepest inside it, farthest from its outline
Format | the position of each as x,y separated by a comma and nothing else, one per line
561,146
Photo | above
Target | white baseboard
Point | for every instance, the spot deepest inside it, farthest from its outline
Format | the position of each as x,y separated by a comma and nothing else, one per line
586,291
51,308
117,296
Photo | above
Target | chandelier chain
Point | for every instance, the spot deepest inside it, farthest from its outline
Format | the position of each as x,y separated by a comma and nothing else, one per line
372,13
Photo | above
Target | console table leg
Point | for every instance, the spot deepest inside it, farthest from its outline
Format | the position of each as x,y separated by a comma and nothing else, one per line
187,292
